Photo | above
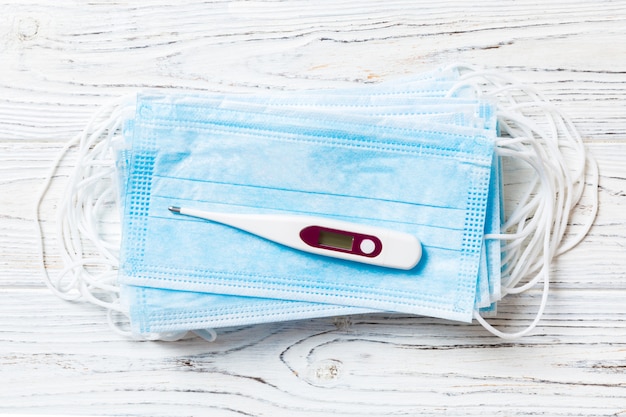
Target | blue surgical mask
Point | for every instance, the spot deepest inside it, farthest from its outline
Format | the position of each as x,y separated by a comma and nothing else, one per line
157,310
160,311
383,163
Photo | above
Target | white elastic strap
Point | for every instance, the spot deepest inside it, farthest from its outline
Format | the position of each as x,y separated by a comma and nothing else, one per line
533,233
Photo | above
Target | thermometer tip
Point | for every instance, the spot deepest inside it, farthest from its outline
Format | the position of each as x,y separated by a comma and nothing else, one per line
174,209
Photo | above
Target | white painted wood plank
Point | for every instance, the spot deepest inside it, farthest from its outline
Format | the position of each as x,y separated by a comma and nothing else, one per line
59,61
376,364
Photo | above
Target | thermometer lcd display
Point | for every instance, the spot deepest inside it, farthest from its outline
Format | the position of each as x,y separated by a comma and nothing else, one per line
335,240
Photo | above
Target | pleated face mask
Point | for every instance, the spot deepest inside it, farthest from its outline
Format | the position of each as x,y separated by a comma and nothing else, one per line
189,154
165,310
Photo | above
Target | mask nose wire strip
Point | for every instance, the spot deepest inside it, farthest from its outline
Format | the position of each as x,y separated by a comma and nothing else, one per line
562,168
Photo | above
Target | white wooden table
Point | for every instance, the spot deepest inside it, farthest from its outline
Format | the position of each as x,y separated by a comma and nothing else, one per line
60,60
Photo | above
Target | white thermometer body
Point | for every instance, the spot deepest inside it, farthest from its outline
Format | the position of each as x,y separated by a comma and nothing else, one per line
327,237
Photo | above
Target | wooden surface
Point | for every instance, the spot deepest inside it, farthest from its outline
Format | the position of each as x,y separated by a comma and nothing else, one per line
60,60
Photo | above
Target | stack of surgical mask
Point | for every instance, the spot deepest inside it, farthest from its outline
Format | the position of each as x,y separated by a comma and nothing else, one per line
423,155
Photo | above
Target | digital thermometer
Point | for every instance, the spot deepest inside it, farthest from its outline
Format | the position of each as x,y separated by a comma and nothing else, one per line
322,236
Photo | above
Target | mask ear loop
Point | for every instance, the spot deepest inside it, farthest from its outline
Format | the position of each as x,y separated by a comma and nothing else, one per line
517,270
81,189
530,245
54,286
547,192
91,258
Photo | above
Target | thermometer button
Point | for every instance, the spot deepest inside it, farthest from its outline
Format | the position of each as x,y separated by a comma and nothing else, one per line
367,246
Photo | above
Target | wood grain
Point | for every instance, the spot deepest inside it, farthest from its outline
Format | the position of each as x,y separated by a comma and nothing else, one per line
60,61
